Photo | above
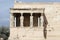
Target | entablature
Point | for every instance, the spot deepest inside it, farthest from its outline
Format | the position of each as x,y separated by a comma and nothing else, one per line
27,10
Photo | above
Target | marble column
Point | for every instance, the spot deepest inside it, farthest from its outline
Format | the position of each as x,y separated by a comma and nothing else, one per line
15,21
42,20
11,20
21,20
31,20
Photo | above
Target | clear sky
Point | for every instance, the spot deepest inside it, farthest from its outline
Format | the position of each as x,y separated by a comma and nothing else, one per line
6,4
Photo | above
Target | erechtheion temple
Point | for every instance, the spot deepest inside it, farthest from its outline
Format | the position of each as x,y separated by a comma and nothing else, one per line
35,21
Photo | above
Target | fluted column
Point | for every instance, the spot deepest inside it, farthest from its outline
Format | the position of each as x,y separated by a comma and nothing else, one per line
21,20
11,20
31,20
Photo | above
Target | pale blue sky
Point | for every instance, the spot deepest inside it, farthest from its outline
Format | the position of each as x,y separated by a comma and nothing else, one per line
6,4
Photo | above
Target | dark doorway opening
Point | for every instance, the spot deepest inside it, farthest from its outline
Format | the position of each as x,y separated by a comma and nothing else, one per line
35,19
17,20
26,21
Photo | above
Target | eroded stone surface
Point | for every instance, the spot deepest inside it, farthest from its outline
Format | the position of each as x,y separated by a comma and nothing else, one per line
52,13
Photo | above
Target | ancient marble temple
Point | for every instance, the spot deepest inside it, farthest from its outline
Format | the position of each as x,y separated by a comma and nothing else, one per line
35,21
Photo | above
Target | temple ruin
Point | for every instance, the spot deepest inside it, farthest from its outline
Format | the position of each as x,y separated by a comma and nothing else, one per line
34,21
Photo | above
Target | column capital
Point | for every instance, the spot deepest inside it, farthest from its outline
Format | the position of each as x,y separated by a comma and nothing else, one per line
21,14
31,14
41,14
